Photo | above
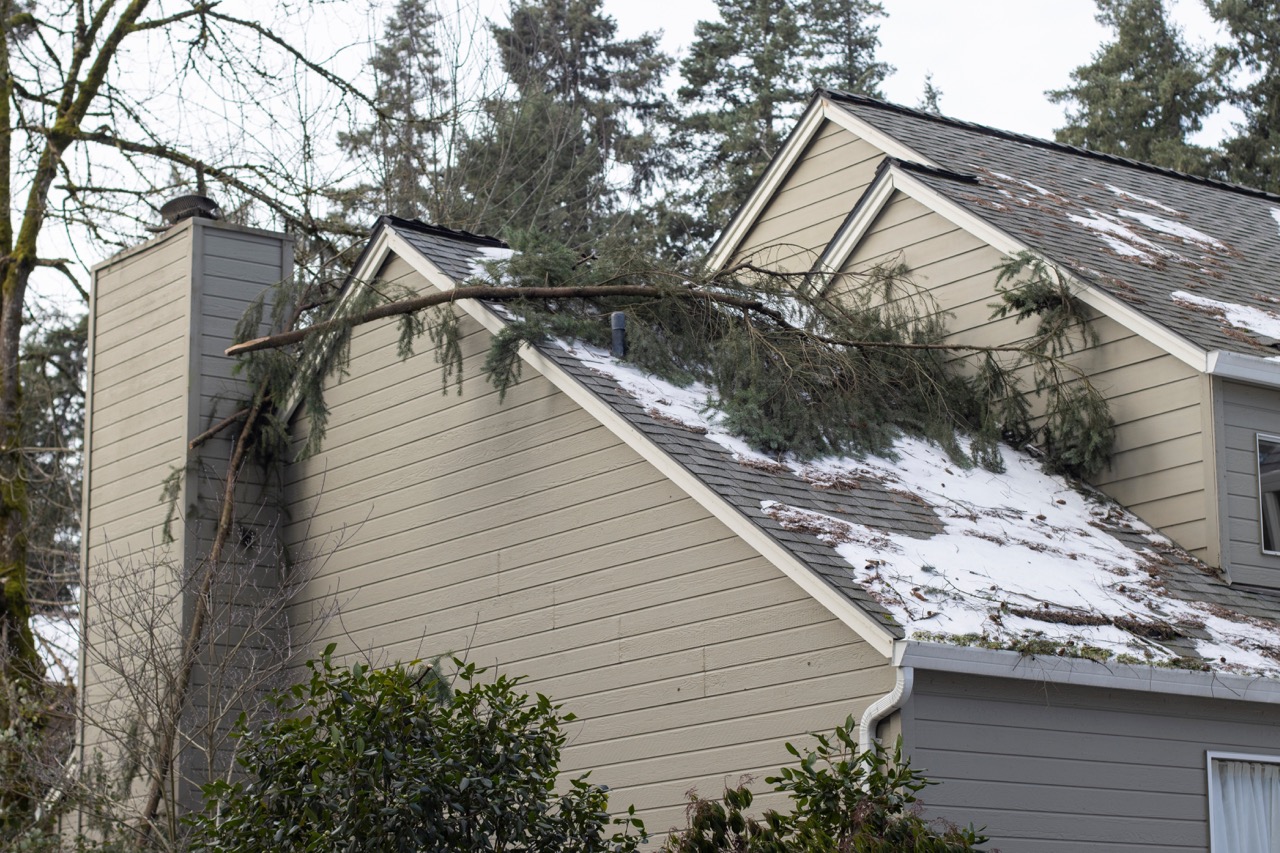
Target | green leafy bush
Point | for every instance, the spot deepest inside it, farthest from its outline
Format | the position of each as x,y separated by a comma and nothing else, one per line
363,759
843,800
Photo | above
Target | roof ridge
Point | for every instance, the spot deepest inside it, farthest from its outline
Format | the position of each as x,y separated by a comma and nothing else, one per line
1027,139
440,231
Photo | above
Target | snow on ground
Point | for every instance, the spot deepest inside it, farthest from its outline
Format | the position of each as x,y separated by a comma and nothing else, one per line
1024,557
1256,320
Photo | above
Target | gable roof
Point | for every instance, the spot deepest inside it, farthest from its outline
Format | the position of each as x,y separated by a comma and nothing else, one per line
1136,233
781,509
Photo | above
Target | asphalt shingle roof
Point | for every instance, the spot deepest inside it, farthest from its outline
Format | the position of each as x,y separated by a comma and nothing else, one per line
1065,202
866,501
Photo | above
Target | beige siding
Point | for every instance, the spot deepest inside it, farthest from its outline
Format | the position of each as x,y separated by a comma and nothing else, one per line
136,434
1051,767
798,222
1159,468
525,535
162,314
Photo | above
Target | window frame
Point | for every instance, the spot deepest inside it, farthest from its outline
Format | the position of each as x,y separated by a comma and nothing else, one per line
1260,437
1215,804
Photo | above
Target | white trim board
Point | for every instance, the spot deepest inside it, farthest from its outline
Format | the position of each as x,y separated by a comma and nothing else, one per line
841,607
851,234
820,109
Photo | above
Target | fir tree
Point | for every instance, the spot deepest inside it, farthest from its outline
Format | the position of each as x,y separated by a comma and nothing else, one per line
576,133
931,97
399,146
841,43
1143,94
747,76
1252,156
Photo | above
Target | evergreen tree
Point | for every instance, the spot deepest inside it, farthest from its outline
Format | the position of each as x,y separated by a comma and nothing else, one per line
1252,156
399,146
931,97
1144,93
840,43
575,134
746,78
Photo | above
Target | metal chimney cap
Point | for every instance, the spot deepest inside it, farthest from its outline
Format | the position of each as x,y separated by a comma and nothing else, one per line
189,207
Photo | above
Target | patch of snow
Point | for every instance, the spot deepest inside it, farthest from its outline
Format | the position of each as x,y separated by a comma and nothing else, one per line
489,254
1122,239
1174,229
1027,184
1150,202
1022,554
58,642
1275,214
1247,317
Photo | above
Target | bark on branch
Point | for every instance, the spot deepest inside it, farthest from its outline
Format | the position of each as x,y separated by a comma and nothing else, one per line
488,293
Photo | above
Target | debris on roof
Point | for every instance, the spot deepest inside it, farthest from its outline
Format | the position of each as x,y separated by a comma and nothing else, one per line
1259,321
1024,560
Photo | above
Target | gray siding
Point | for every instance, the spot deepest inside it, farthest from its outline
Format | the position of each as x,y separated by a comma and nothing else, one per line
1159,469
1245,411
1050,767
798,222
523,534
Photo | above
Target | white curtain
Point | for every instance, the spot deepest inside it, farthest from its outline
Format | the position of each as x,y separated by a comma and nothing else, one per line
1249,803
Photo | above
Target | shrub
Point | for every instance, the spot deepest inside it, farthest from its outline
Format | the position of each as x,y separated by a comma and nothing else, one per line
842,799
363,759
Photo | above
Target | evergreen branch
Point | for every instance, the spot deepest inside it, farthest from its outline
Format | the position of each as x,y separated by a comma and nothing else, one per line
489,293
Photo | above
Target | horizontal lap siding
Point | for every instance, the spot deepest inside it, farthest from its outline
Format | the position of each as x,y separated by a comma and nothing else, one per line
525,535
1053,767
138,415
1158,470
798,222
1246,411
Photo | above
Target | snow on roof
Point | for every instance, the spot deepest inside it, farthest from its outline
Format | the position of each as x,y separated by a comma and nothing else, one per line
1025,561
1259,321
487,255
1275,214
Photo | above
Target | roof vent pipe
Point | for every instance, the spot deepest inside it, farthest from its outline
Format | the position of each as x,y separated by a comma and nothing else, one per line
618,321
189,207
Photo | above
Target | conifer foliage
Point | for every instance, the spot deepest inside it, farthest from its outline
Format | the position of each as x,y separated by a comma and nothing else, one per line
1252,156
574,134
1144,93
746,78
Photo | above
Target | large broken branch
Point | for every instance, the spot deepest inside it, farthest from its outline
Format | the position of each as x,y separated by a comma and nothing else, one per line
489,293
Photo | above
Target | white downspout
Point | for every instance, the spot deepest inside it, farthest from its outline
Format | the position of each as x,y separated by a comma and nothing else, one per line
885,705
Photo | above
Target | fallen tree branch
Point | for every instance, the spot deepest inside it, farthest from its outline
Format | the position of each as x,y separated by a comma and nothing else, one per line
489,293
217,428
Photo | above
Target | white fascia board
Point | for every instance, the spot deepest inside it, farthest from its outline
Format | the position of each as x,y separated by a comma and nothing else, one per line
1160,335
1252,369
733,234
996,663
842,608
890,145
374,258
851,232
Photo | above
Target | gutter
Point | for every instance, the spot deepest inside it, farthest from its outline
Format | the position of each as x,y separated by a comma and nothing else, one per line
994,663
1253,369
885,705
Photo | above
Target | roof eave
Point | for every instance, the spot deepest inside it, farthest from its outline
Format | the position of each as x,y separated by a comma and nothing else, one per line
1081,672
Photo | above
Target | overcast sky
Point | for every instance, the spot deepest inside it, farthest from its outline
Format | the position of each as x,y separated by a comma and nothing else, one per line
993,59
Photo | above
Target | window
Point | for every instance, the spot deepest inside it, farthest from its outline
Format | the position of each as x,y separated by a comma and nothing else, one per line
1244,803
1269,491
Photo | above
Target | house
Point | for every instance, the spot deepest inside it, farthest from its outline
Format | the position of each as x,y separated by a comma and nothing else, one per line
1077,676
